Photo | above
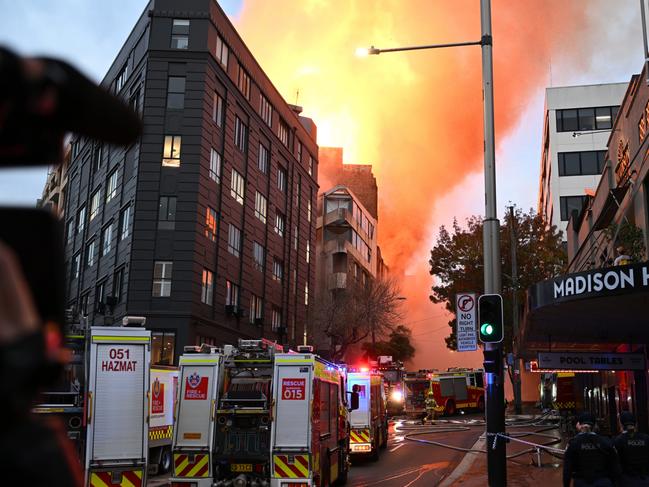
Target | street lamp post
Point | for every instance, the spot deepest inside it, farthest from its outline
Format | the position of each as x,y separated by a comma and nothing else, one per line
496,453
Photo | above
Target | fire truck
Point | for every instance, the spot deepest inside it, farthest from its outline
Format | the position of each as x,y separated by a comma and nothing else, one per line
310,430
458,389
201,375
243,415
369,422
393,374
164,384
415,388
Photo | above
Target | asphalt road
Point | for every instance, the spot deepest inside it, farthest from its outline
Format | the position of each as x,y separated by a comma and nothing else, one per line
406,463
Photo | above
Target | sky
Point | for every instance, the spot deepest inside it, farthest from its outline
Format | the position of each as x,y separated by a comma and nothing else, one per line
416,117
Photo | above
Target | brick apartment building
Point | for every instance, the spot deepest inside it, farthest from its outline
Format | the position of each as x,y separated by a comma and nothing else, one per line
205,225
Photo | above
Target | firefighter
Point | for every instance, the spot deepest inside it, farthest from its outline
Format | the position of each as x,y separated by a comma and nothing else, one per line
590,459
633,449
431,408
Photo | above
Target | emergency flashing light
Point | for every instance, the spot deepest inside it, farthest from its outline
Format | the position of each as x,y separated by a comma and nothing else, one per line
365,369
490,318
397,396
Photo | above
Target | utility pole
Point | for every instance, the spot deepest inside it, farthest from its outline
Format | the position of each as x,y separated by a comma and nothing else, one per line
495,403
516,365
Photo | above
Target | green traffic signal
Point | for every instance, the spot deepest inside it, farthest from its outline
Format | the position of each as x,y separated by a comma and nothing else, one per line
486,329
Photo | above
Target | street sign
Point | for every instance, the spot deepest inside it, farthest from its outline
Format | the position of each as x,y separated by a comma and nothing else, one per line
466,317
590,361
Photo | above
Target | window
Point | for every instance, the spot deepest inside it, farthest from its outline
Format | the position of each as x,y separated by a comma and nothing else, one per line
570,204
210,223
176,92
308,251
69,230
256,309
162,347
278,270
122,76
81,219
243,82
180,34
222,52
83,303
231,294
308,210
106,239
258,255
207,287
298,153
276,318
298,191
234,240
134,99
282,132
279,224
118,284
581,163
281,179
111,189
90,254
167,213
584,119
171,151
100,291
162,279
310,165
240,134
294,287
262,161
76,266
124,222
217,109
215,166
96,158
296,237
265,109
260,206
306,294
76,146
94,204
237,186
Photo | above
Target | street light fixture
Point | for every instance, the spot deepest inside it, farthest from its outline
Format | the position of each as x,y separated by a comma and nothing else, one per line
496,455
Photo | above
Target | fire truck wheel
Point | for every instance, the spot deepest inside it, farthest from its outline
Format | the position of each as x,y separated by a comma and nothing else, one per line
375,448
481,404
165,461
384,436
449,410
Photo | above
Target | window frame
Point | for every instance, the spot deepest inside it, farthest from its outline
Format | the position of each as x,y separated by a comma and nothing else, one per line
207,287
563,205
280,223
165,281
258,256
112,184
167,218
217,109
178,27
234,240
211,217
261,207
222,51
171,150
216,165
174,100
237,186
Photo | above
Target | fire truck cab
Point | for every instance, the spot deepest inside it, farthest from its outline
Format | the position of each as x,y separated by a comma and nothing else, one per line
200,375
393,373
310,430
369,423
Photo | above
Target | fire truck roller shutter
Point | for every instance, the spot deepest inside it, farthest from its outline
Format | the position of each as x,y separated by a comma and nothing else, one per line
293,383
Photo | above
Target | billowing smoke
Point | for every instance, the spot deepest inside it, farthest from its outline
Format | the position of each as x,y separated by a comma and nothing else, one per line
417,117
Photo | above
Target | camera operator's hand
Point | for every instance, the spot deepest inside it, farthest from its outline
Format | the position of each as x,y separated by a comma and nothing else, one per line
18,315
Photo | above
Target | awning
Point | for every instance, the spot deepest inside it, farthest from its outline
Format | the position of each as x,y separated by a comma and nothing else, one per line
593,310
612,203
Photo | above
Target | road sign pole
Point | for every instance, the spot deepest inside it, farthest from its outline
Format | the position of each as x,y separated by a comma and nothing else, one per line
495,402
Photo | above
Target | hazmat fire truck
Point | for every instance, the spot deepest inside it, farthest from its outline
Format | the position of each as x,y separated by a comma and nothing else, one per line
200,376
369,422
393,374
458,389
310,428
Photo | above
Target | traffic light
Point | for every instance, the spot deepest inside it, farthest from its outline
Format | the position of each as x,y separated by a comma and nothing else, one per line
490,318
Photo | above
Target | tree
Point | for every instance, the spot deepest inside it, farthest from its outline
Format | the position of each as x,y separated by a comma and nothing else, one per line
398,345
456,261
345,317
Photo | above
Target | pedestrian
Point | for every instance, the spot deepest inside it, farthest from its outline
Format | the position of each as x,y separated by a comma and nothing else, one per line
590,459
633,450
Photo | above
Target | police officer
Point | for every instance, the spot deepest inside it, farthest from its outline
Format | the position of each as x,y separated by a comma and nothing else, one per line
590,459
633,449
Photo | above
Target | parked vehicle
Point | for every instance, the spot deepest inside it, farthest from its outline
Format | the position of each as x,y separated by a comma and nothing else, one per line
310,431
369,423
458,389
393,374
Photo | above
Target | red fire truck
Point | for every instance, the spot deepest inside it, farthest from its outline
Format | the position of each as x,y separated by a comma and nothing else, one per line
393,373
458,389
415,387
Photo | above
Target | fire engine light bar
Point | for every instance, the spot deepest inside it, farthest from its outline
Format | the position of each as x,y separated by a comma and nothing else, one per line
361,447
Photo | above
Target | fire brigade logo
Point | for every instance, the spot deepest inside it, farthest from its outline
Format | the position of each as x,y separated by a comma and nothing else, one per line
158,399
193,380
156,388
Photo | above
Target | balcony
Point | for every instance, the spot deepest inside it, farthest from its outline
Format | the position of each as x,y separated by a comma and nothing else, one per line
339,216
